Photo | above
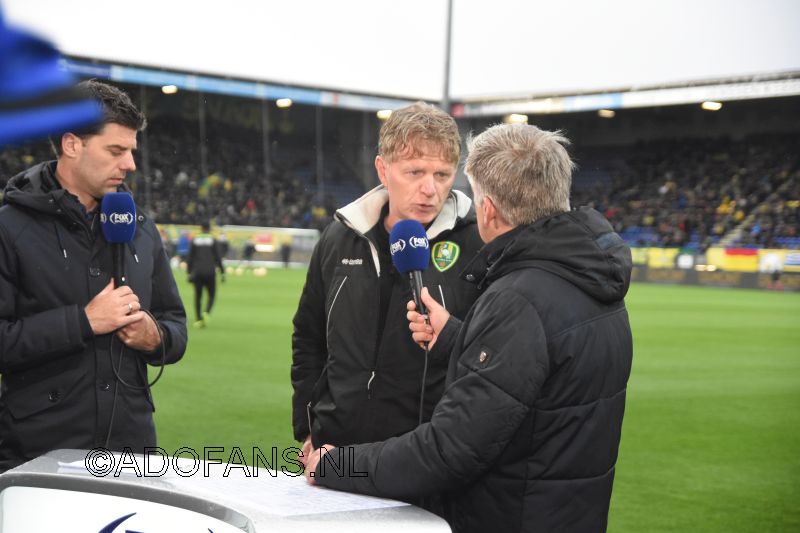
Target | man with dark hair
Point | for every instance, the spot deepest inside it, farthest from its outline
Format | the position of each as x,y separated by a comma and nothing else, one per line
526,435
73,347
204,260
118,109
357,374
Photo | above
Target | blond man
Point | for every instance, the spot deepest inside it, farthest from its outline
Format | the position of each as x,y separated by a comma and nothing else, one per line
357,374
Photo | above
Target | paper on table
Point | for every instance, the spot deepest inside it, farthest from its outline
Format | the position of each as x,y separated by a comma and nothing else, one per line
278,493
268,491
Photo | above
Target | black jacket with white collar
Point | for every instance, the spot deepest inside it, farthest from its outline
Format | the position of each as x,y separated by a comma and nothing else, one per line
357,384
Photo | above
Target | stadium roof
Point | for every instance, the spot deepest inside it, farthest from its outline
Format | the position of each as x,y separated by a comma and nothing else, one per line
507,54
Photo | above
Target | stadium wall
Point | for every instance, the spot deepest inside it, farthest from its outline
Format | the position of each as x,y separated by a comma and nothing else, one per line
743,280
753,260
720,267
267,241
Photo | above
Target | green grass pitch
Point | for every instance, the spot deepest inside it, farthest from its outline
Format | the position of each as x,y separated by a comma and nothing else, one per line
711,438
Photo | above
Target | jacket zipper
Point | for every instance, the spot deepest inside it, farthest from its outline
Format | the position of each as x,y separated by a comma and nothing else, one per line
376,354
335,296
369,384
308,416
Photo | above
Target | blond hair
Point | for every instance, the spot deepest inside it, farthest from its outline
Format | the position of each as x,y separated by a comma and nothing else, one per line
419,128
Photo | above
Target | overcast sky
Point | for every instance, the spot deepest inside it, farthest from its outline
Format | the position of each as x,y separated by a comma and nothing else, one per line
500,48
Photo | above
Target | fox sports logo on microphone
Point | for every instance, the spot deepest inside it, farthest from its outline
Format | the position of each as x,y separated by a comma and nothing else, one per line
397,246
418,242
117,218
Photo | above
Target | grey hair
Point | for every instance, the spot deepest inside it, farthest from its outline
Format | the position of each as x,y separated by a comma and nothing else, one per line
525,170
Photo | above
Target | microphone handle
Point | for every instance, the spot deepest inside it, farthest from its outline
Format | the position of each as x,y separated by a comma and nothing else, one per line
415,279
118,257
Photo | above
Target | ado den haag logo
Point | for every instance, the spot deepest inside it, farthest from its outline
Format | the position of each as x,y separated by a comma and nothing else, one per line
444,255
117,218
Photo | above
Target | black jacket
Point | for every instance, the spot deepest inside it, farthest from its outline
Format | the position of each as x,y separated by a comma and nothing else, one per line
204,257
526,435
58,386
359,376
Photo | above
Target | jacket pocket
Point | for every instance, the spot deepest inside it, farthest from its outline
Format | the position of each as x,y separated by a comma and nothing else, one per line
26,396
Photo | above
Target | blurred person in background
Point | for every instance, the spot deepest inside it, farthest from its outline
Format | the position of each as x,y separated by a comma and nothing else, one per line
526,435
182,245
286,250
248,251
202,265
73,347
357,374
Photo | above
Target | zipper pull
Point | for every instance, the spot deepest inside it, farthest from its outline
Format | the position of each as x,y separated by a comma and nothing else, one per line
369,384
308,413
133,251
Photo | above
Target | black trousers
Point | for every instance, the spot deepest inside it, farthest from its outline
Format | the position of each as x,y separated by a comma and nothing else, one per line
209,283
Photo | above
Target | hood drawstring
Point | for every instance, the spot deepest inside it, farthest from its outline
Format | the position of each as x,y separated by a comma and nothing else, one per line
133,251
60,242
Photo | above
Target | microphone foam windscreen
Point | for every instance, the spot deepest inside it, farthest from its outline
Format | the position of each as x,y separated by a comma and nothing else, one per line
408,244
118,217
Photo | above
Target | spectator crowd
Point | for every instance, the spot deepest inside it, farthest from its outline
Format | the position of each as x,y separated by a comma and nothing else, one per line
683,193
694,193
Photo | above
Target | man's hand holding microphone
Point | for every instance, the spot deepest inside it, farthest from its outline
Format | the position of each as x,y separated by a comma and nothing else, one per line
425,328
117,307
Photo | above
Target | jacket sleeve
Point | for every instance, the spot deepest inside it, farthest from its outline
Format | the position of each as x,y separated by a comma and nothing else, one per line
32,340
309,345
167,308
446,340
477,417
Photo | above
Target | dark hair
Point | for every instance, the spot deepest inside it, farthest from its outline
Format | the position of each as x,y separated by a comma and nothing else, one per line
117,109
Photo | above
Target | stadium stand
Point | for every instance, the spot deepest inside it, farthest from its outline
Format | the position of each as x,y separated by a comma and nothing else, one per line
690,193
697,193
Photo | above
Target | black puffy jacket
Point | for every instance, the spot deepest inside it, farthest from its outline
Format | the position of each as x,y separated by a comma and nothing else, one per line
526,435
58,386
356,388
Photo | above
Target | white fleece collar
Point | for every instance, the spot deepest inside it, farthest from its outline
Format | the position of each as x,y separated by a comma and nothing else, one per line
362,214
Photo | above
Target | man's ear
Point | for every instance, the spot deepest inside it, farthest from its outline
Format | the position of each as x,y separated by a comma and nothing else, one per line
380,167
70,144
491,216
489,212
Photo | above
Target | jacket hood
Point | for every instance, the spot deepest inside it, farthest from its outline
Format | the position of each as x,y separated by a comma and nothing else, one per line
363,213
36,188
579,246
